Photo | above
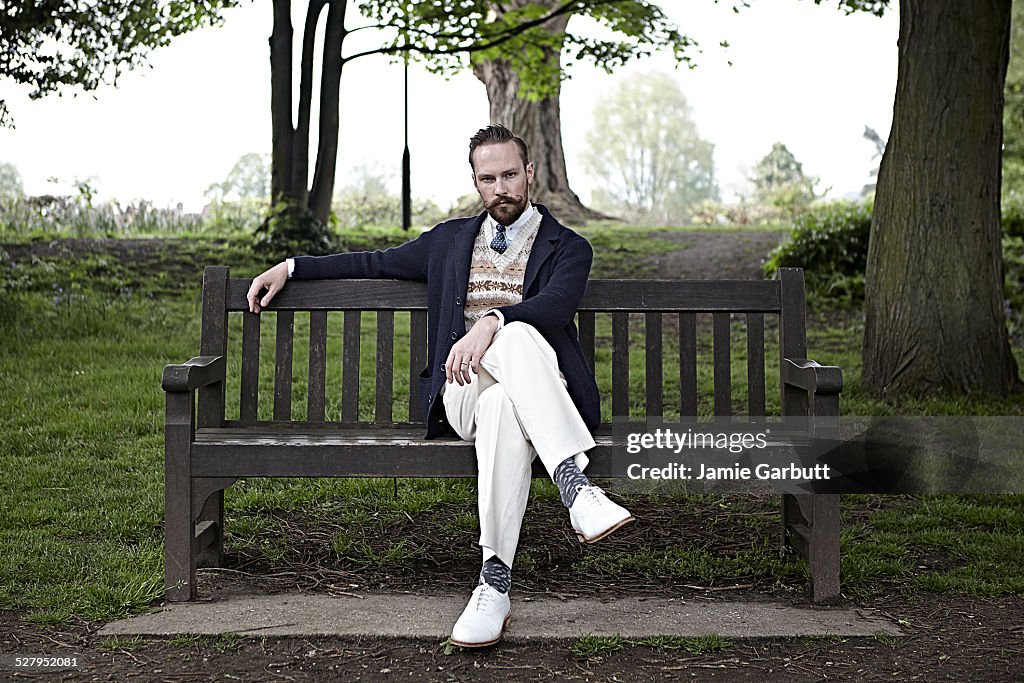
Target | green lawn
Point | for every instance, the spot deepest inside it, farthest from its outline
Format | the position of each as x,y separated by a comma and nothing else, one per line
81,449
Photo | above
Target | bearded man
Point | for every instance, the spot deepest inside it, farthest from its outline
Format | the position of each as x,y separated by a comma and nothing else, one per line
505,369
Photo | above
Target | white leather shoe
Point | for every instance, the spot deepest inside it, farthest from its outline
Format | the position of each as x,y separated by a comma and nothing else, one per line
484,618
593,516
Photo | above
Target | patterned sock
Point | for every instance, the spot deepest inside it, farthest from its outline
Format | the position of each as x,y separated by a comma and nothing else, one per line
568,478
496,574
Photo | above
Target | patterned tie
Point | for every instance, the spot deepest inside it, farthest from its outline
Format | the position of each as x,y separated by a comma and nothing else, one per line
499,244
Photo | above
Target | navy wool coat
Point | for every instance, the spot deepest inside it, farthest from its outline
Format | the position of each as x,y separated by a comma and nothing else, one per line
556,279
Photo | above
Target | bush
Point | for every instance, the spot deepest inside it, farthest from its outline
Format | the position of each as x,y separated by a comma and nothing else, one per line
1013,215
830,242
1013,284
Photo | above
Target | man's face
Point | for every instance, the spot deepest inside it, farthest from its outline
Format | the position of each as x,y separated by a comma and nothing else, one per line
501,180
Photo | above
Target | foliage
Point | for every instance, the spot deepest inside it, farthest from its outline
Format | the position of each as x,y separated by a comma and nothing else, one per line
645,147
1013,108
743,213
59,43
290,229
872,136
75,216
1013,289
368,201
1013,214
779,181
249,178
830,242
10,182
443,32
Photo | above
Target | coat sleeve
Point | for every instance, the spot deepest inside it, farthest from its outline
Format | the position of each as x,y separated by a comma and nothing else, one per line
405,262
555,304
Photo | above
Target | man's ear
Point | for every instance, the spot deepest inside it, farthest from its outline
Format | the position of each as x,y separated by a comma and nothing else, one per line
529,173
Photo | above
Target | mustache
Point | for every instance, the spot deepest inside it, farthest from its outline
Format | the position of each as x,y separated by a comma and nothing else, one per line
502,201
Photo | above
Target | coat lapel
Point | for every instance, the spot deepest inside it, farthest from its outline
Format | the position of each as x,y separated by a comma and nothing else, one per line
543,247
461,254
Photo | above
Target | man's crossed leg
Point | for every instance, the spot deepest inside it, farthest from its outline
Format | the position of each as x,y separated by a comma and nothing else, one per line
515,409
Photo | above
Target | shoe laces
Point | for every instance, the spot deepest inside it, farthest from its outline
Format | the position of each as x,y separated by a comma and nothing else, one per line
591,493
484,596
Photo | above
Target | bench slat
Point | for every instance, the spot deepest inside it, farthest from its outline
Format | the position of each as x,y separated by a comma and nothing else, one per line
620,364
653,361
688,364
249,398
350,368
722,365
317,365
385,365
601,295
586,321
755,364
417,360
283,365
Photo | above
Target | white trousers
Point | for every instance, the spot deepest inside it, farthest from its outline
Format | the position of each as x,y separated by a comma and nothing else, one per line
515,409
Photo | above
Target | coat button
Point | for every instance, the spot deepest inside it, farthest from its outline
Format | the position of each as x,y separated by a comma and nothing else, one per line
458,301
455,335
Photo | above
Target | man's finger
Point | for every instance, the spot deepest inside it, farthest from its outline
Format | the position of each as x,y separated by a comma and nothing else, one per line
271,291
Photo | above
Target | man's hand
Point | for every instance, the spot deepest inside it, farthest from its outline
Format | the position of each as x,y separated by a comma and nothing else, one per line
466,353
272,280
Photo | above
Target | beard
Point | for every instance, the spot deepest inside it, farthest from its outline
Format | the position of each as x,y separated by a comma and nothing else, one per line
507,210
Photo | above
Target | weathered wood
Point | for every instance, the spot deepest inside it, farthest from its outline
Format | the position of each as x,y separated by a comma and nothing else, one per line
688,364
653,361
417,361
249,399
200,462
792,336
755,365
586,330
213,342
316,394
620,365
738,296
722,364
350,367
385,365
283,365
179,540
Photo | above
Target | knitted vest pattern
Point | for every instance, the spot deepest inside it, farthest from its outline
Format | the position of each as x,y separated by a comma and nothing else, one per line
497,279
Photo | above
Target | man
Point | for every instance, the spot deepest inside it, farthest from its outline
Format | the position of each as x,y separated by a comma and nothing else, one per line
505,369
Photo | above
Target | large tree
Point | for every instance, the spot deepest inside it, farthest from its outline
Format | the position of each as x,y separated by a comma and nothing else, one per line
439,31
934,306
55,44
523,77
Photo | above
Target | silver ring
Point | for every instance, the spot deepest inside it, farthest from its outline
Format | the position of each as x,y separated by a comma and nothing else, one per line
465,363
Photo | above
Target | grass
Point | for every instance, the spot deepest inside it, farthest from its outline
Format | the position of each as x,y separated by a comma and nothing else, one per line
81,448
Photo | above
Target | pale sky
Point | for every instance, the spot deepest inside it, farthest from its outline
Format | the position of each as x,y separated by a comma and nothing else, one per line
804,75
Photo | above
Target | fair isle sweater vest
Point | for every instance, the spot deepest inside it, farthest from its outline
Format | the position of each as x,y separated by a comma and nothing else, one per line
497,279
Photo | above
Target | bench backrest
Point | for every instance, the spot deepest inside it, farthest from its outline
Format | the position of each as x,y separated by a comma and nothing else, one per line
672,309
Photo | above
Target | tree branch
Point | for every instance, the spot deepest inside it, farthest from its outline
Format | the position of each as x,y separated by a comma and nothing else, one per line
494,40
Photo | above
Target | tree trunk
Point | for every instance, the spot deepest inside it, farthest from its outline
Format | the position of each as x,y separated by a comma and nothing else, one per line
540,125
934,294
300,215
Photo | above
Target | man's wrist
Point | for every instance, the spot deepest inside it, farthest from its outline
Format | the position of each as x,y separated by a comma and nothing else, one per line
496,314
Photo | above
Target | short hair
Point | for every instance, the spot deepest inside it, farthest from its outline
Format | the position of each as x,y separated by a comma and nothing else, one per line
496,134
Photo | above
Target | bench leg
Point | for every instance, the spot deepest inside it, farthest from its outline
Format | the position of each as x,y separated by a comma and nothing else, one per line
211,549
179,531
811,527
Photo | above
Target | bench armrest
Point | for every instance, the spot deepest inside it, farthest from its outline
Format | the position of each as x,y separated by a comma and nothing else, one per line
811,377
198,372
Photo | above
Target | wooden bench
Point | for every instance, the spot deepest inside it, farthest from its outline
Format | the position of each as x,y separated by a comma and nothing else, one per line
206,450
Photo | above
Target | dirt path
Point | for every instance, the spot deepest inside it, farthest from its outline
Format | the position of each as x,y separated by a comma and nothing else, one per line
706,255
